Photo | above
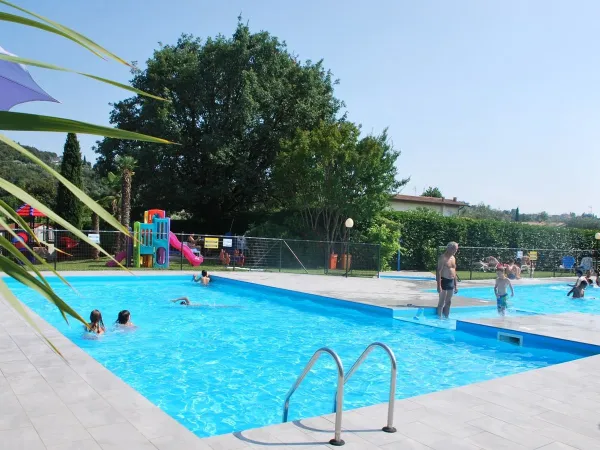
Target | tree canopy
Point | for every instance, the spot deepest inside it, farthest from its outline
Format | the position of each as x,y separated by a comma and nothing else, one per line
330,174
233,101
432,192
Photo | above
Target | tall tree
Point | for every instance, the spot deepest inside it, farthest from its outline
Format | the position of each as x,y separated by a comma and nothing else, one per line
432,192
125,165
330,174
68,205
233,101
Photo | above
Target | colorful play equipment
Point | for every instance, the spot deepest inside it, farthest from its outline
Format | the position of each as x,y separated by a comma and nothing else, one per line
151,241
20,243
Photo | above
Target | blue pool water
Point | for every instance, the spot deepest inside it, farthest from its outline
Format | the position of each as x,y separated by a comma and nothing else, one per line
543,298
219,370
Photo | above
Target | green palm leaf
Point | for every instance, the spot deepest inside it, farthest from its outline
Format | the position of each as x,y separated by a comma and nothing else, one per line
6,17
33,122
75,36
32,62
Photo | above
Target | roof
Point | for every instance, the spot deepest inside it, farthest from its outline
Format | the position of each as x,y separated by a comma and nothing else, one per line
427,200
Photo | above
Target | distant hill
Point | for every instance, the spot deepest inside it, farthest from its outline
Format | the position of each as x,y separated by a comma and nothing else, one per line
27,175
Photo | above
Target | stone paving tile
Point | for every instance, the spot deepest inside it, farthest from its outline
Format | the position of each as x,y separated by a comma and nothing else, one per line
569,437
21,439
87,444
527,438
178,443
405,444
557,446
61,428
14,420
119,435
96,413
489,441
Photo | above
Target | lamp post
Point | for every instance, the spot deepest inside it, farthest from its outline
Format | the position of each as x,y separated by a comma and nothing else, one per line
597,236
348,224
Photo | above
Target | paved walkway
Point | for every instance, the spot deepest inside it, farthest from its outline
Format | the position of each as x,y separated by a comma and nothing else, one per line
391,293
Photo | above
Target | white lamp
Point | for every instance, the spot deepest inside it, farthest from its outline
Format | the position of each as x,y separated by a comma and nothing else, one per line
597,236
350,223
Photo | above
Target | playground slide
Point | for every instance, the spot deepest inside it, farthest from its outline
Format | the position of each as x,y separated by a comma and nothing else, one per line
187,252
119,257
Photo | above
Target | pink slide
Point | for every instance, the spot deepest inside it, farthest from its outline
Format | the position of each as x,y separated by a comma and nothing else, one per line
119,257
187,252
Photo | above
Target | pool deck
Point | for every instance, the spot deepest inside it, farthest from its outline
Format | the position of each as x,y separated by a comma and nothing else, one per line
575,327
52,404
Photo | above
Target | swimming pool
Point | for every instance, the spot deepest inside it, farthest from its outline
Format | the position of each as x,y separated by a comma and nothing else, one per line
542,298
220,370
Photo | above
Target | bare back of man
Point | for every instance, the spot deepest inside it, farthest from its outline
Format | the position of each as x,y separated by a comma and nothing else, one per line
446,279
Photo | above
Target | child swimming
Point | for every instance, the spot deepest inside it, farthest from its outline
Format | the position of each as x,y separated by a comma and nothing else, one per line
124,319
96,324
204,278
500,289
184,301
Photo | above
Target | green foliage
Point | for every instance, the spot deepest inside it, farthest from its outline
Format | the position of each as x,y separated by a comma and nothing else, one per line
385,232
27,175
233,101
424,232
329,174
586,223
432,192
68,205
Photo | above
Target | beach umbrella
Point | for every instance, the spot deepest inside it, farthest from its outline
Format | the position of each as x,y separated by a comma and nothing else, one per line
29,211
17,86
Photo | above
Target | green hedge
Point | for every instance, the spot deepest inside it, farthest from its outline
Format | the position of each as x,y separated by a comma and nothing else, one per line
423,232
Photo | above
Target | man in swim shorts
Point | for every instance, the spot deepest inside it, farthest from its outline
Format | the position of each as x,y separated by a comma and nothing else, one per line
446,279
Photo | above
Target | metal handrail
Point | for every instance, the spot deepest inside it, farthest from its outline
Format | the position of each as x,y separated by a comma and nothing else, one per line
339,396
389,428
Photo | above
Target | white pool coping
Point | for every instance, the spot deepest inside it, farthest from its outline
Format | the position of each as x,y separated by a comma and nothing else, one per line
48,403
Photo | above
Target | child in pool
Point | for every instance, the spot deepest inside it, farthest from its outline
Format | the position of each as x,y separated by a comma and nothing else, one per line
96,324
124,319
204,278
500,289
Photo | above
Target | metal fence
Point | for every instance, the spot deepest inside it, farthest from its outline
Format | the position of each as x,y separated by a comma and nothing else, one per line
480,262
222,253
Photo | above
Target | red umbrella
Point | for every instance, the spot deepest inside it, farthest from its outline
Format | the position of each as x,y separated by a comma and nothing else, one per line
29,211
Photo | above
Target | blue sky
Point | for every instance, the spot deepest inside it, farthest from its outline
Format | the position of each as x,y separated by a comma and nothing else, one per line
492,101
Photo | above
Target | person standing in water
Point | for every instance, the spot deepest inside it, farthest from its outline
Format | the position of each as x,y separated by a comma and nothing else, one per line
501,290
446,279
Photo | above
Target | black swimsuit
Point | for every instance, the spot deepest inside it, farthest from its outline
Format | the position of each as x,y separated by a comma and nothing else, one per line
447,284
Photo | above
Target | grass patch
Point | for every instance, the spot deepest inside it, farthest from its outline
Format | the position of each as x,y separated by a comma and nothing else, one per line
209,265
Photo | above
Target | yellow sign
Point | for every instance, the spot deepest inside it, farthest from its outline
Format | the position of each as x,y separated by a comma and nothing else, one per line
211,242
533,256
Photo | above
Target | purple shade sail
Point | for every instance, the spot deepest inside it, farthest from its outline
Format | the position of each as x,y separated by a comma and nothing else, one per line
17,86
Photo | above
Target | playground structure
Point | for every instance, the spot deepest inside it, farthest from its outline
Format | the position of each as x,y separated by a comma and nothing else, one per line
151,242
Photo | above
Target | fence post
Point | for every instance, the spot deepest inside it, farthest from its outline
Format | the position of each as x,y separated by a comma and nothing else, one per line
56,241
181,251
471,264
378,259
280,252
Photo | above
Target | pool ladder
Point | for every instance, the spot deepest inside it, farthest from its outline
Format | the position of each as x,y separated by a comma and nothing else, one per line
341,381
